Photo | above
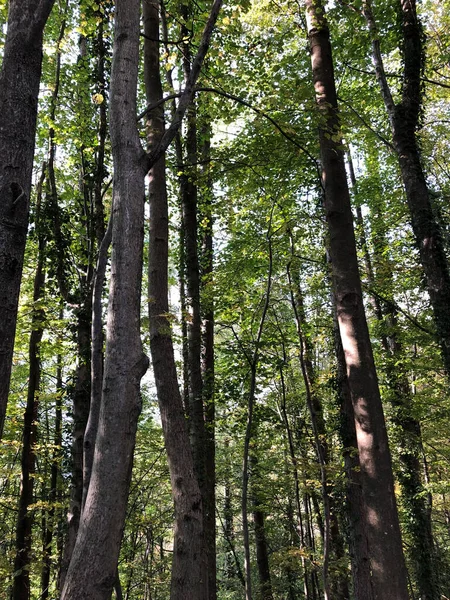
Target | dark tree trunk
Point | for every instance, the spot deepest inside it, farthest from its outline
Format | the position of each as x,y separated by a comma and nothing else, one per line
93,567
19,88
50,520
80,399
189,579
404,119
22,561
262,551
387,561
207,306
250,426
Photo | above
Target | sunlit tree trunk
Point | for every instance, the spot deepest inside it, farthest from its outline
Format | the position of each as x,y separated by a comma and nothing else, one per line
407,430
387,561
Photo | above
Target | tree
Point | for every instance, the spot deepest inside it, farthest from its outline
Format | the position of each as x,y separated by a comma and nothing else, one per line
404,119
19,83
381,518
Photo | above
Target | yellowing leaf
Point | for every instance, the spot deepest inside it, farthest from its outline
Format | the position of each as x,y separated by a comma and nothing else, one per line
98,98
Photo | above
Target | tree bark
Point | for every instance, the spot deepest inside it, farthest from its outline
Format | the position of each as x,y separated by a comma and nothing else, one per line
93,567
189,580
207,307
355,509
23,557
19,88
404,119
407,430
262,551
387,561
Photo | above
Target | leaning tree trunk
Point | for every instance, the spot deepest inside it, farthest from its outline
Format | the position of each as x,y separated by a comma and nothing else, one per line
387,561
404,119
19,88
93,567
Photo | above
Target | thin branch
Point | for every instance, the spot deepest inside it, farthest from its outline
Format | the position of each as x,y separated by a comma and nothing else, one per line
398,76
256,110
189,90
394,304
366,124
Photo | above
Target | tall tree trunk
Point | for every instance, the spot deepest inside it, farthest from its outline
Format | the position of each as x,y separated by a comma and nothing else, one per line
404,119
88,378
93,567
355,509
189,579
249,430
50,522
387,561
407,431
207,307
22,561
19,88
189,209
262,551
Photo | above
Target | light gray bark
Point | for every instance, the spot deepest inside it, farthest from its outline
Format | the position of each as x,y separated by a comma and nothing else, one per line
92,570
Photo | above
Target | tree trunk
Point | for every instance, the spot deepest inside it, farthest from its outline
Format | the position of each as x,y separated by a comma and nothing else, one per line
189,579
404,119
48,534
387,561
22,561
407,431
19,88
338,586
93,567
207,306
249,430
355,509
262,552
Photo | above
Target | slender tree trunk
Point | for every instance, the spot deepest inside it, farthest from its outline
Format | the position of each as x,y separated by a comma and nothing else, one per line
54,488
404,119
249,430
262,552
207,306
189,209
23,558
19,88
387,561
93,567
189,579
338,586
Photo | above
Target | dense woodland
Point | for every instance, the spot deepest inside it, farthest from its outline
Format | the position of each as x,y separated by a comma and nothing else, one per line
226,374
